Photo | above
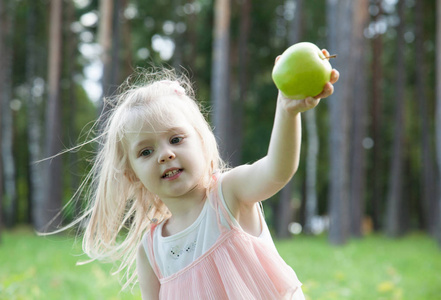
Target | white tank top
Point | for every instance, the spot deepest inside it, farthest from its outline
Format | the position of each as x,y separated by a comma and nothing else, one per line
175,252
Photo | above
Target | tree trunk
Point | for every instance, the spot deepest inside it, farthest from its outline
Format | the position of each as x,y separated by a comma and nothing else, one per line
311,206
127,58
241,97
116,38
296,30
313,142
438,110
71,42
377,122
427,178
105,32
359,118
220,77
179,40
285,212
192,39
34,135
339,26
395,199
285,207
7,126
49,216
2,16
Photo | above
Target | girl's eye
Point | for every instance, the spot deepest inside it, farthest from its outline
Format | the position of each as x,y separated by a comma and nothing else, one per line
176,140
146,152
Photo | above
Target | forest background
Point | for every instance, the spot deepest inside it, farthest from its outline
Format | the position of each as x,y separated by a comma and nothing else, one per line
371,153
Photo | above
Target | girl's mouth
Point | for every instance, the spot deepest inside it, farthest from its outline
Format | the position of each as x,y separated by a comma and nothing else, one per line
172,174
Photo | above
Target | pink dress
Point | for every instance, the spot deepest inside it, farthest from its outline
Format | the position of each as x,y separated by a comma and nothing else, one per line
237,266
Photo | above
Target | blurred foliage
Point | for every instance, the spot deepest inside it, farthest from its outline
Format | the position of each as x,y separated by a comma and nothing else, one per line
171,20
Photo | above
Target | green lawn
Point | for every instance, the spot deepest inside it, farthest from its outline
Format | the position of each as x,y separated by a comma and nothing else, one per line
371,268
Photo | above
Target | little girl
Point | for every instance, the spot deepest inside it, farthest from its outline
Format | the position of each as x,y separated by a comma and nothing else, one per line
192,229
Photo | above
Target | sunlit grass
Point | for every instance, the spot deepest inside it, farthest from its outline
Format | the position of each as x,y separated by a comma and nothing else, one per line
34,267
374,267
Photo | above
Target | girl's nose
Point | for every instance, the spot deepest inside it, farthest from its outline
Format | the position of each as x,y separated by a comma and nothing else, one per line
166,155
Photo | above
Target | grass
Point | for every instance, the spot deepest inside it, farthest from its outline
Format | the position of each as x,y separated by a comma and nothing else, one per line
371,268
34,267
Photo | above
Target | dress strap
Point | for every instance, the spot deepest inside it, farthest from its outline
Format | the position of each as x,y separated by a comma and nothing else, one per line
220,203
151,252
215,201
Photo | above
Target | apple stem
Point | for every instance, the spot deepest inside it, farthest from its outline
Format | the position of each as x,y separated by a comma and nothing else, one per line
331,56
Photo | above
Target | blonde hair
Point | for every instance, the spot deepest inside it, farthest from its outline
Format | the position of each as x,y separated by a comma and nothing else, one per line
120,211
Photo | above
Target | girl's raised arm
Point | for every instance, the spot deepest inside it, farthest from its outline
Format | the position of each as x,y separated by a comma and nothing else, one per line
249,184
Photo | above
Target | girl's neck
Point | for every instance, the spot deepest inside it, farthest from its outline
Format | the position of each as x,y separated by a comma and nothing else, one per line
184,212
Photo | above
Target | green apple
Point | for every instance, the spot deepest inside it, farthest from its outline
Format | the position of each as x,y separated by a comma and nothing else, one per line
302,71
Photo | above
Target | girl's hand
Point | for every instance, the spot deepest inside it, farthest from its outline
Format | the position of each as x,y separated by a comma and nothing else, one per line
298,106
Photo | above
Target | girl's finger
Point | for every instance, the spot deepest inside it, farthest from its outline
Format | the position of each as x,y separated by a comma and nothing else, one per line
312,102
334,76
277,58
328,89
325,52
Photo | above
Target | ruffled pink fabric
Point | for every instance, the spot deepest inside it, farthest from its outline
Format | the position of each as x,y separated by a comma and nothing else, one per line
237,266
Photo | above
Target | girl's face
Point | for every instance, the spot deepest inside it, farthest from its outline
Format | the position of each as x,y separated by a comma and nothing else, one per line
168,159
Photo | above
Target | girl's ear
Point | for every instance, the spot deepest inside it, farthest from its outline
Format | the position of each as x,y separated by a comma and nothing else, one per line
130,175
